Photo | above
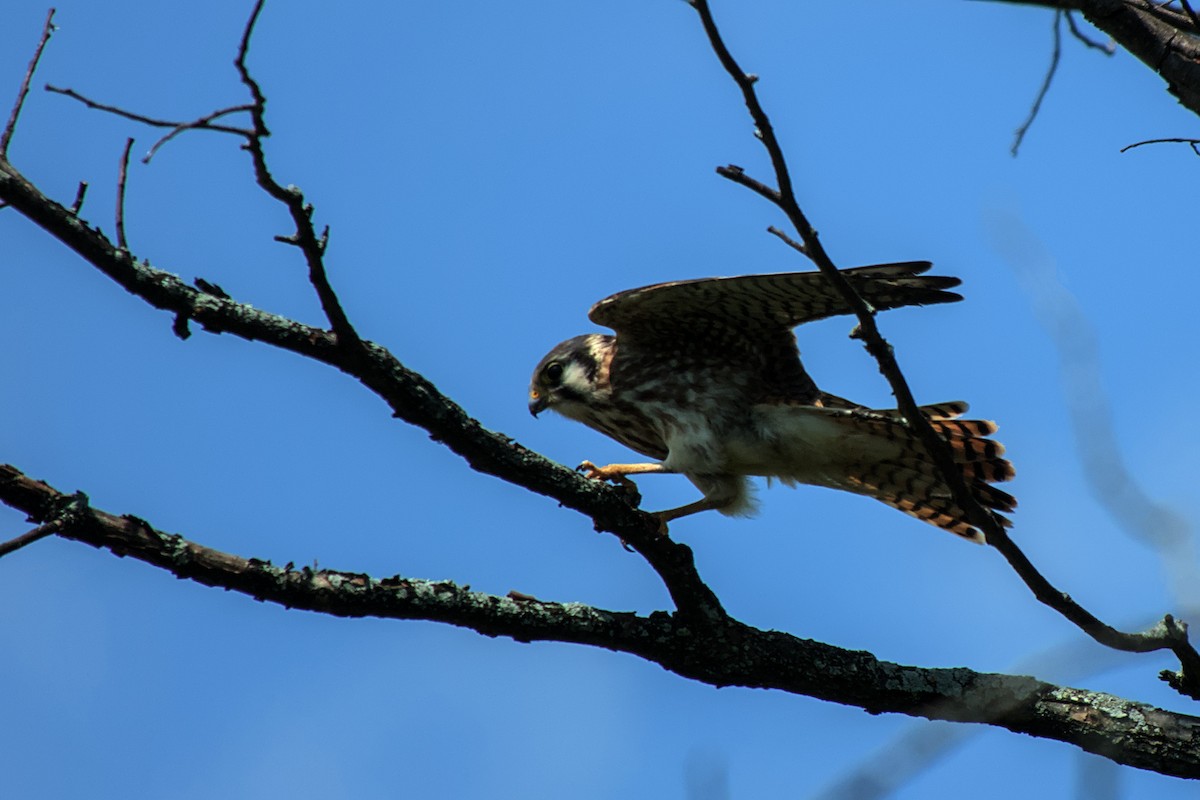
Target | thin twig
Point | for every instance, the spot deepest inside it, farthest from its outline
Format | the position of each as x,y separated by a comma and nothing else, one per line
121,176
739,176
1108,48
77,206
305,237
58,512
203,123
789,241
1167,634
1041,95
154,121
29,537
6,137
1195,144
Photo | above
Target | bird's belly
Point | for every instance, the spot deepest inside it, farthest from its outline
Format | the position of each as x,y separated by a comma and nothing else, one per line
797,459
798,444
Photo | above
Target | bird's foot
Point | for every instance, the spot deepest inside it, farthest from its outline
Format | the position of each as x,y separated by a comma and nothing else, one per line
612,472
618,475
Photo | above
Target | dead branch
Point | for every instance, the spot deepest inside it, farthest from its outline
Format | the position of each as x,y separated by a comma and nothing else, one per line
121,177
1161,37
720,652
1055,55
11,126
1168,634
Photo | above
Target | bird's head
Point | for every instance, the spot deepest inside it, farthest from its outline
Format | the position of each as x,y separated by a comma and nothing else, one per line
566,378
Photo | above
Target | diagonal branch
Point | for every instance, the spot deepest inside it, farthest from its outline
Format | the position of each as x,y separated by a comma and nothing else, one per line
1051,71
305,237
410,395
11,126
1168,634
724,652
29,537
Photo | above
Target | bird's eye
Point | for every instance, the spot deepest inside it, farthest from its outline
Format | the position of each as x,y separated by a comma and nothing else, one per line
553,372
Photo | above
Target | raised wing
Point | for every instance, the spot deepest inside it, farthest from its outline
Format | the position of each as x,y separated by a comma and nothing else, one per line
752,305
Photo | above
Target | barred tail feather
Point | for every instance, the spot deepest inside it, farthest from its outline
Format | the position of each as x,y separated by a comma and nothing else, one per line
911,483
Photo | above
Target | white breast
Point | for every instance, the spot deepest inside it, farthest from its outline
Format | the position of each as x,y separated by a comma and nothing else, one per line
804,444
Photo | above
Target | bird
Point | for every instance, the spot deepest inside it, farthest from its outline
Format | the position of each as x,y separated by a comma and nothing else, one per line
704,377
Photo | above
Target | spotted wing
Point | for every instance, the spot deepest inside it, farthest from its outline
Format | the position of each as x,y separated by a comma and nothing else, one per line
751,306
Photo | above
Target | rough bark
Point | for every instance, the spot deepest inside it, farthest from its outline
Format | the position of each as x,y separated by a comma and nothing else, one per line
719,651
1164,39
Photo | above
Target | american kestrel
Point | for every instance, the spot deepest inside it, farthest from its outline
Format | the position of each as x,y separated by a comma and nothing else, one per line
704,376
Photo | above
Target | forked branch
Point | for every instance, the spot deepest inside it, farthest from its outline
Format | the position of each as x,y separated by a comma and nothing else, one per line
410,396
1169,634
700,642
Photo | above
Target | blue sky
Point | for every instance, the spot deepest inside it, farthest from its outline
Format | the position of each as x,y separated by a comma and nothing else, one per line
490,170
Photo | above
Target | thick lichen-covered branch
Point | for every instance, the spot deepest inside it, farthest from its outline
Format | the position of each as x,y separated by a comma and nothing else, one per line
718,651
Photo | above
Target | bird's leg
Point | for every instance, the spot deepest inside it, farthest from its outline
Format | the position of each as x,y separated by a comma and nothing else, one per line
703,504
618,472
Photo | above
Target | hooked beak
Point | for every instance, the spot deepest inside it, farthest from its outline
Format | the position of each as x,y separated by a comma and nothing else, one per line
537,402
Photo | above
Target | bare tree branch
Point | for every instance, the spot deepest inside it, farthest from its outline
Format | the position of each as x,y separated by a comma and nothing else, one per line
80,193
1187,8
700,642
1193,143
1116,489
121,175
411,397
29,537
11,126
305,237
1108,48
203,123
720,651
1161,37
873,340
1168,634
1055,55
